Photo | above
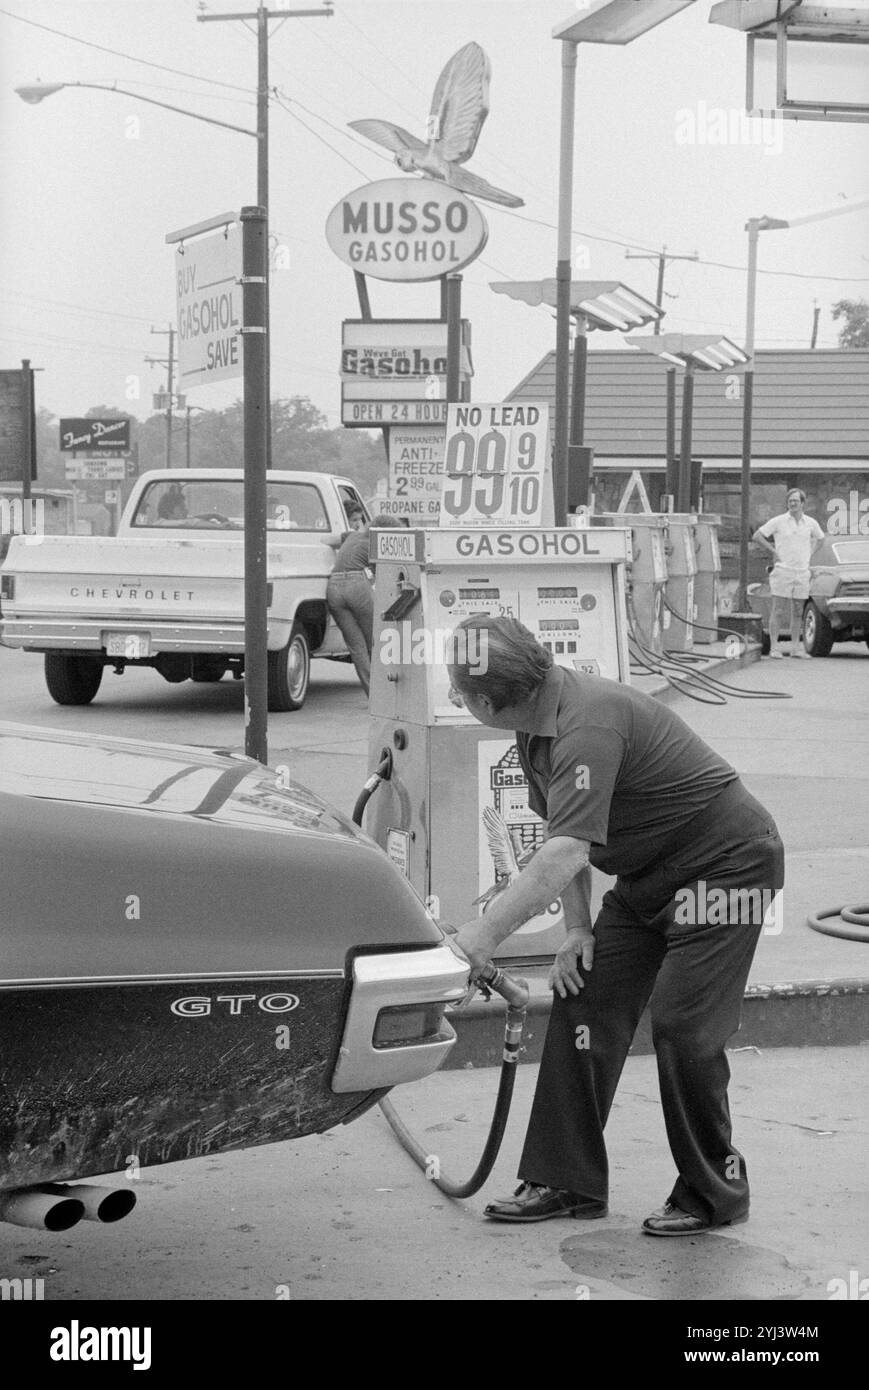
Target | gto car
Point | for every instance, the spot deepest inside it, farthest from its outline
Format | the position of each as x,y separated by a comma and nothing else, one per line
196,957
837,609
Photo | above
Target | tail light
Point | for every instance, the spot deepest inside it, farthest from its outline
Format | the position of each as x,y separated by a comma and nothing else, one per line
406,1024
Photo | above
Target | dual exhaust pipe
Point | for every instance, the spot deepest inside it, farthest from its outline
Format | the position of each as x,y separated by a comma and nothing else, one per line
58,1206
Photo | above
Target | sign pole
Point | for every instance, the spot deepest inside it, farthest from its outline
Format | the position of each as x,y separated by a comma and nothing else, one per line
454,335
683,489
28,430
256,431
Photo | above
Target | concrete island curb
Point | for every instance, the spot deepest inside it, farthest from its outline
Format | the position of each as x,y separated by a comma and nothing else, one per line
808,1013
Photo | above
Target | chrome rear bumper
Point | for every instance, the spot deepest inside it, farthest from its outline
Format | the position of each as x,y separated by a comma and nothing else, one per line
385,981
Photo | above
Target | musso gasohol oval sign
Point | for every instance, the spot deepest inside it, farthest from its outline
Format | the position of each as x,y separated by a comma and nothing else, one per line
406,229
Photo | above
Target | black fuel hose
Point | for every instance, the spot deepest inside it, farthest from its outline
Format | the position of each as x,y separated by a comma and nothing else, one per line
676,669
516,992
854,922
382,773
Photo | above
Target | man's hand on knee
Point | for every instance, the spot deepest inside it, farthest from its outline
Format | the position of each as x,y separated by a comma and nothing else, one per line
578,949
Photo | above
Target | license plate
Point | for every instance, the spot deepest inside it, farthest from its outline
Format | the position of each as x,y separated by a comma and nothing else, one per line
132,645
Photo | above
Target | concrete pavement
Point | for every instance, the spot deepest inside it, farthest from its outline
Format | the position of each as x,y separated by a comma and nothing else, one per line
347,1216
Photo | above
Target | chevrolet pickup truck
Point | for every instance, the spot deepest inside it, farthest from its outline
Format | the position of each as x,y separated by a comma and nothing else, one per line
168,590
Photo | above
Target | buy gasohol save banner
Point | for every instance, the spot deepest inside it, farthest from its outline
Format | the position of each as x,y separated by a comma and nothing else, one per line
209,304
497,469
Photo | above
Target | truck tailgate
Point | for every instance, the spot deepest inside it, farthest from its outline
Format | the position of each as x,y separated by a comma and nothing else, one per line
138,576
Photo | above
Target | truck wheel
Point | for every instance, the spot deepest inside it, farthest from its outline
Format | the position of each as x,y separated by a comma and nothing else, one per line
290,672
817,632
72,680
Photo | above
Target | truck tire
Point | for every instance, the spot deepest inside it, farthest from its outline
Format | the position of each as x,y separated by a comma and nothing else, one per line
290,673
817,632
72,680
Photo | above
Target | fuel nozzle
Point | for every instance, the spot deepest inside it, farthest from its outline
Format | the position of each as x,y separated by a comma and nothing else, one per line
516,992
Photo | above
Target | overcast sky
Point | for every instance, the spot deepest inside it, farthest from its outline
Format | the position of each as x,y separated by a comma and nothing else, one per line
85,271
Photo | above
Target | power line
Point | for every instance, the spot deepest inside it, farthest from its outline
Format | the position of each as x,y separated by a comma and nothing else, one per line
116,53
81,308
284,107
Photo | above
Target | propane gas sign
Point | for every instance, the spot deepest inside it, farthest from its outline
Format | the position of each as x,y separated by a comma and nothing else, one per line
406,229
416,460
496,469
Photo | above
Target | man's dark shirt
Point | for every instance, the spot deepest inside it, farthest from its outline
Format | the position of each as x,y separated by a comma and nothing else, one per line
608,764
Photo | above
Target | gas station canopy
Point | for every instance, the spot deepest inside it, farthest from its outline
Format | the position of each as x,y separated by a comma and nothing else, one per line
824,23
695,350
797,22
617,21
605,304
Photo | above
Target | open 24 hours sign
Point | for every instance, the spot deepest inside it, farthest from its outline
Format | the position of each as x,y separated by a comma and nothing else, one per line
496,469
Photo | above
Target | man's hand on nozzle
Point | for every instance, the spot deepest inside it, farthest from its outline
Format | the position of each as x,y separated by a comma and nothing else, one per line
577,949
475,942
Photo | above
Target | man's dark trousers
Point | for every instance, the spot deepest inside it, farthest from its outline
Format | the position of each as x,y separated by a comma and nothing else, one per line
650,936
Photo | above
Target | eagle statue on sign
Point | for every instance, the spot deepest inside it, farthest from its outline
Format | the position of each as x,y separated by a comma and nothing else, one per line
459,107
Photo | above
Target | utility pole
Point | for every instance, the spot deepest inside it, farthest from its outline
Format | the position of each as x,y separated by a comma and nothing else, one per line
816,314
169,364
662,257
262,14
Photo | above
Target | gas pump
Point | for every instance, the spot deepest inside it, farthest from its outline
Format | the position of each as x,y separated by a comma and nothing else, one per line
647,573
679,612
454,814
706,580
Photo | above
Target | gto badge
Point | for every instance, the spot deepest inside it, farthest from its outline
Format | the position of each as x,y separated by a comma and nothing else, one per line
199,1006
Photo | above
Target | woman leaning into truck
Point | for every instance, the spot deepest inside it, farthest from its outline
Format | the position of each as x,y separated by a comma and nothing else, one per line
350,595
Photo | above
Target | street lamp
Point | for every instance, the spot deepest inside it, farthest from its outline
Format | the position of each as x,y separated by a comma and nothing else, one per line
38,91
611,22
754,226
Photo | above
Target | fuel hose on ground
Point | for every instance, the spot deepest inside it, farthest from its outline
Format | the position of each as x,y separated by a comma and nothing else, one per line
676,670
517,994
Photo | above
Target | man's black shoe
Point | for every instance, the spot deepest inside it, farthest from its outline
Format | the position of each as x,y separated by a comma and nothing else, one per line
670,1220
531,1202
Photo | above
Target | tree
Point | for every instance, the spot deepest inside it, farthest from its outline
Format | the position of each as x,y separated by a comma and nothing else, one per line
855,312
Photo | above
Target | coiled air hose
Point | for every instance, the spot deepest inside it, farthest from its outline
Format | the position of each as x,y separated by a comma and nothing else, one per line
517,994
855,922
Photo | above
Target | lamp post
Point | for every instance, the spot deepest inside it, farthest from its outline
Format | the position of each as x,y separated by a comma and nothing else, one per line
754,226
610,22
188,409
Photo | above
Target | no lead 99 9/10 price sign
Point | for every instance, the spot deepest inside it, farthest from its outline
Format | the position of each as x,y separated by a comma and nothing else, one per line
496,468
